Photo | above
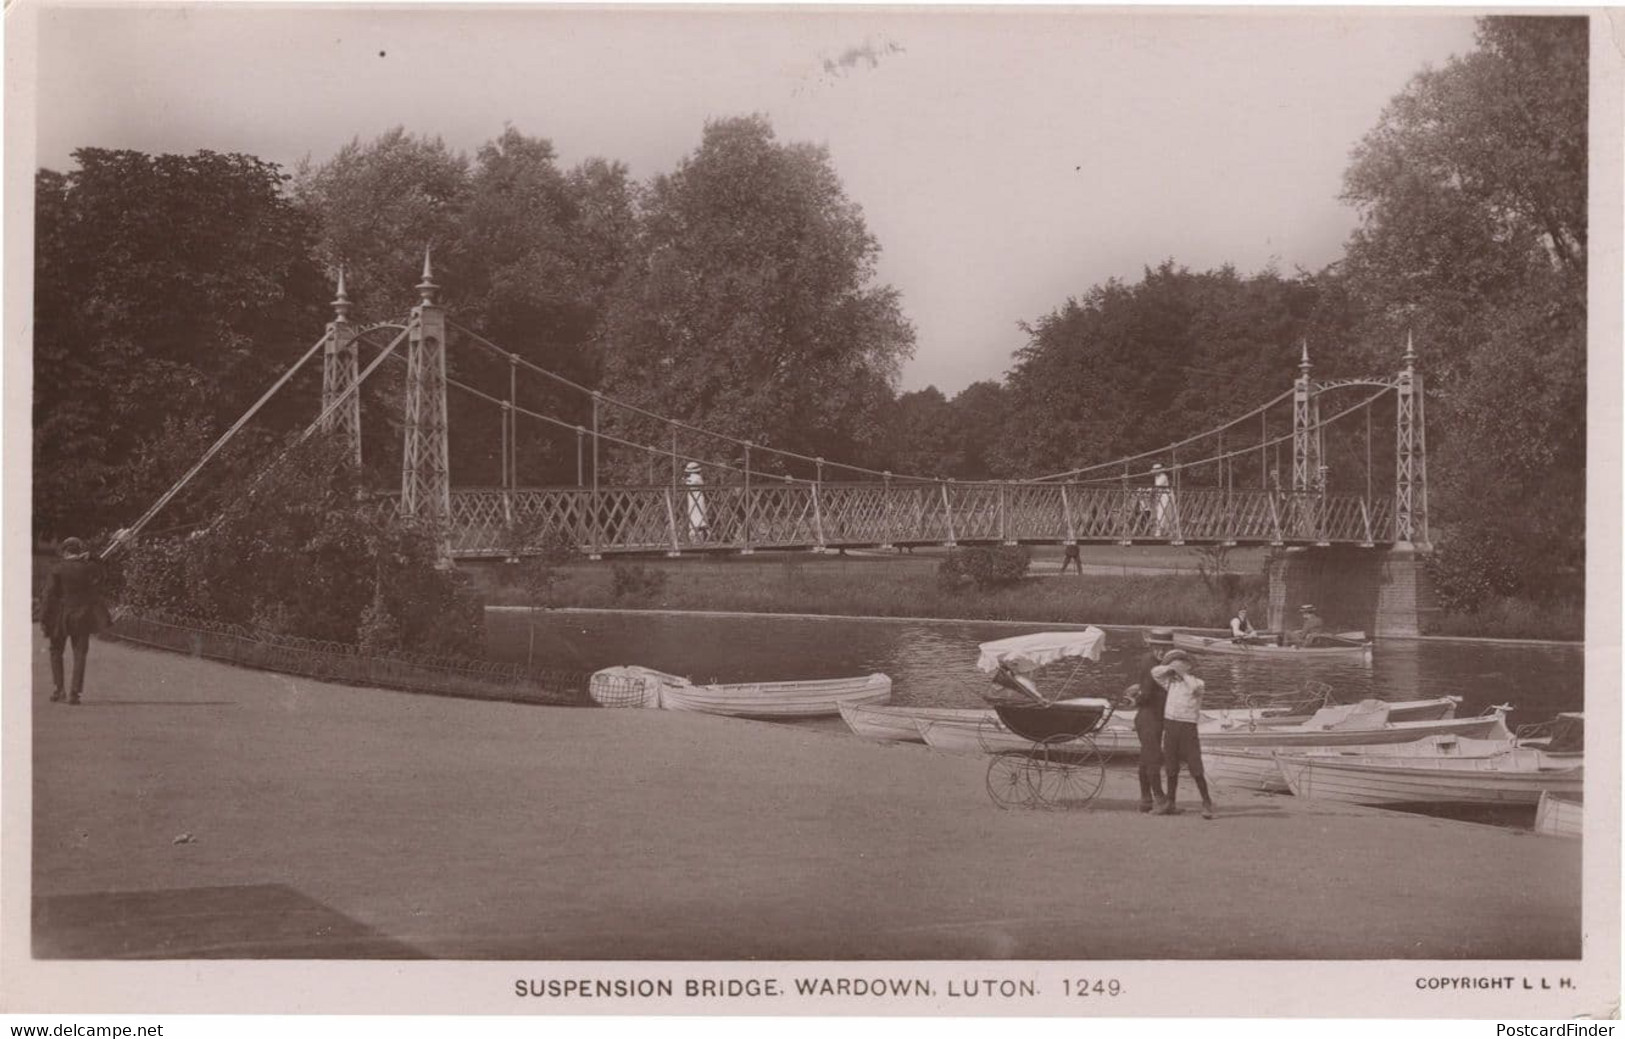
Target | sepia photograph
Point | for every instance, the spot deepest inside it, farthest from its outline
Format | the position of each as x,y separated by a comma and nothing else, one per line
811,510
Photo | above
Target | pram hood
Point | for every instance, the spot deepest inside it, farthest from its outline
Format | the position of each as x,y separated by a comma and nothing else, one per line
1025,653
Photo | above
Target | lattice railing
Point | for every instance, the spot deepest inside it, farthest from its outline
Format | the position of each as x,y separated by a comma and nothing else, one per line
493,522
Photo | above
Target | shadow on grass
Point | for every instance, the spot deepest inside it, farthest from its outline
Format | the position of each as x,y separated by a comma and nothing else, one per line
251,921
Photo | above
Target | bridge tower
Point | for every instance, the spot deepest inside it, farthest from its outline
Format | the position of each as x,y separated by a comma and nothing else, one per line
340,368
425,460
1305,428
1410,458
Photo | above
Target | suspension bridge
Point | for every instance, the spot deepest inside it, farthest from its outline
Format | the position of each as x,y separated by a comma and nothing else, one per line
1244,482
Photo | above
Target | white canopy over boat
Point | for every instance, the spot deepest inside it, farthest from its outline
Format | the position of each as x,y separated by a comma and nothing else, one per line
1025,653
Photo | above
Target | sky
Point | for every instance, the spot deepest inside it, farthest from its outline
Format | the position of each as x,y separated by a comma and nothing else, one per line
1005,160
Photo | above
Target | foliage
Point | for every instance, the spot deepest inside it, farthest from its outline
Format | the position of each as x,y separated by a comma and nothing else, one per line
1471,566
524,253
636,581
750,307
930,435
300,551
1130,368
1213,566
170,291
1472,197
996,566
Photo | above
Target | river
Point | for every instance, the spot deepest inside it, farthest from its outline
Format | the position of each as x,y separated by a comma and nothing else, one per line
933,662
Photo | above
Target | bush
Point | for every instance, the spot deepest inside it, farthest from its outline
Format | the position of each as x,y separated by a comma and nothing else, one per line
995,567
301,551
1472,565
636,581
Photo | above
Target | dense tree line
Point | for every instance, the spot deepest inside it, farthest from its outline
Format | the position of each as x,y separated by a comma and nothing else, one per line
738,292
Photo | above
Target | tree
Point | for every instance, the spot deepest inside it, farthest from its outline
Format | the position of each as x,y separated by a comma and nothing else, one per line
169,289
1131,368
750,307
1472,197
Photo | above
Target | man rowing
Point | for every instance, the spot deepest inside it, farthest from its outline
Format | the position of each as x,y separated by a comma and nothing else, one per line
1241,629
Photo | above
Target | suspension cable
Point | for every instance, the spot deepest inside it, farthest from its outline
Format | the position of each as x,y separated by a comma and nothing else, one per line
130,533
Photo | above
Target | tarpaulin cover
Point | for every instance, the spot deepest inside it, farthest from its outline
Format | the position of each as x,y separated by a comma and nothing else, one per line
1031,652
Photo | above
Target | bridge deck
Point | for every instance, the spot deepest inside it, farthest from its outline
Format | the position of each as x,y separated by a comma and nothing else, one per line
804,515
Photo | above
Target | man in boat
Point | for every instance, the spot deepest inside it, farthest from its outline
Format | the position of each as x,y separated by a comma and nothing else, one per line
1180,743
1312,627
1241,629
1149,698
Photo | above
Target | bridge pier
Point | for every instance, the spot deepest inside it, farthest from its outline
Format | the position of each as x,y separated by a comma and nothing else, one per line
1383,591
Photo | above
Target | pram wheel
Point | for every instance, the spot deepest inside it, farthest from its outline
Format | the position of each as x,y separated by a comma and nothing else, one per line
1067,772
1010,779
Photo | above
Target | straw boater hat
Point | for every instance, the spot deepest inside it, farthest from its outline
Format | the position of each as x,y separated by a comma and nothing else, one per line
1177,656
1307,607
692,467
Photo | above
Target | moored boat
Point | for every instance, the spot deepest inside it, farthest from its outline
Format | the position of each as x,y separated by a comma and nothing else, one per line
1559,815
989,736
901,724
1515,777
632,686
1351,652
1349,725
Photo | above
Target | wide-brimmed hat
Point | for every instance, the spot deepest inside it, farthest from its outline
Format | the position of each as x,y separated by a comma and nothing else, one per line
1176,656
1159,636
692,467
1307,607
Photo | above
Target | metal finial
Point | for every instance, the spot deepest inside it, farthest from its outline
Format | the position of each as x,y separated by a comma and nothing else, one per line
427,286
1410,352
1303,365
341,302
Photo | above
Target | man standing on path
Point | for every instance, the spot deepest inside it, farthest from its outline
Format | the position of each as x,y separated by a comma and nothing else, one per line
1180,742
1072,558
1148,707
73,610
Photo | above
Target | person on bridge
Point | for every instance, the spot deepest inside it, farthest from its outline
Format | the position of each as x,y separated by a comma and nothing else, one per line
1181,744
1148,698
73,610
1162,503
1241,629
696,500
1312,627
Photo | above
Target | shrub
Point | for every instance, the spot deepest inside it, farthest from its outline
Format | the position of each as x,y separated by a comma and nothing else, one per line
994,567
636,581
301,551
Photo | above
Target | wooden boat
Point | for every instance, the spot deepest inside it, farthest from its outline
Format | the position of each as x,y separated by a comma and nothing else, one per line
1244,768
901,724
989,736
1559,815
1342,727
1351,652
632,686
1515,777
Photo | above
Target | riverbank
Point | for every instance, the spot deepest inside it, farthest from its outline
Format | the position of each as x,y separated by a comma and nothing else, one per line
1134,586
192,810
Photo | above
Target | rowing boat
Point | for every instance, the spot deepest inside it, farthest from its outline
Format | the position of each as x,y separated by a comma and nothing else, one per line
1559,815
1357,652
901,724
632,686
988,735
1515,777
1343,727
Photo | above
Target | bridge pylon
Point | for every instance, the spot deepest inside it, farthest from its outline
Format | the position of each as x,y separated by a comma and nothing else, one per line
340,370
425,460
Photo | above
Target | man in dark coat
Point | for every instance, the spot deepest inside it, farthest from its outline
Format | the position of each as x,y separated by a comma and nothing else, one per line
72,612
1148,703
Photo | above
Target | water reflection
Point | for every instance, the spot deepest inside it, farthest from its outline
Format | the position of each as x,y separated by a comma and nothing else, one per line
934,663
